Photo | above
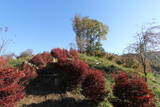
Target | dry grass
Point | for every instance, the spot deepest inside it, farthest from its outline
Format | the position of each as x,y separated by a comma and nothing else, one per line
53,100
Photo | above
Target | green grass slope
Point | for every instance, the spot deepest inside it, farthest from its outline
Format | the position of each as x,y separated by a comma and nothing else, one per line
109,67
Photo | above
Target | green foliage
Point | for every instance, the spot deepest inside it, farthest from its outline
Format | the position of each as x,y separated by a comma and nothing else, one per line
17,62
89,33
127,61
105,104
157,92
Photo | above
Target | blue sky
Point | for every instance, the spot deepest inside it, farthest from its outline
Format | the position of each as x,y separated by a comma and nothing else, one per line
45,24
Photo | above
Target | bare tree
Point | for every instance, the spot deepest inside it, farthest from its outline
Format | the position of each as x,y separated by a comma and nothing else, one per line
146,42
72,46
3,41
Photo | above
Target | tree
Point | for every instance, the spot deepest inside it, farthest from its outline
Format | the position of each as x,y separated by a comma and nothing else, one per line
26,53
9,56
146,42
3,41
89,33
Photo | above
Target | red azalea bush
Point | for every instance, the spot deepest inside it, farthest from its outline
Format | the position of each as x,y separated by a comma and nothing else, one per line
73,72
11,89
74,54
93,87
29,71
60,54
41,60
131,92
63,54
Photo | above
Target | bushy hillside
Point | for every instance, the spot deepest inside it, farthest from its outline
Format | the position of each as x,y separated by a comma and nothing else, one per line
42,93
109,67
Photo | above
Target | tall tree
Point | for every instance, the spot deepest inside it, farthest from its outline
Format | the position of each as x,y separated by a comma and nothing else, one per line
146,42
89,33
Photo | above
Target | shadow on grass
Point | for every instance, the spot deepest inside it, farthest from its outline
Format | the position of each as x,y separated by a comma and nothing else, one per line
66,102
108,69
43,85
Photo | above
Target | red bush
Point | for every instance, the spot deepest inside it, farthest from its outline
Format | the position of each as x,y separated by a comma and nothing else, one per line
93,86
60,54
63,54
131,92
41,60
11,90
29,71
74,54
73,72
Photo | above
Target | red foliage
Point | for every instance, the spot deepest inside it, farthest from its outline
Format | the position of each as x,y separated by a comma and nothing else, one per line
29,71
93,86
131,92
11,90
73,72
74,54
60,54
76,71
121,78
41,60
63,54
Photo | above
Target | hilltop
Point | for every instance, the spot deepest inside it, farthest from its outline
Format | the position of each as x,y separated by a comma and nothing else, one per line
39,96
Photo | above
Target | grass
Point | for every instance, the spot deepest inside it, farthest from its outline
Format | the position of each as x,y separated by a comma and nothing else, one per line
109,67
103,64
18,62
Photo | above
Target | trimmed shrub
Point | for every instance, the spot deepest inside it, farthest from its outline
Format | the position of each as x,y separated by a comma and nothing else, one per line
41,60
60,54
29,71
93,87
63,54
74,54
73,72
11,89
131,92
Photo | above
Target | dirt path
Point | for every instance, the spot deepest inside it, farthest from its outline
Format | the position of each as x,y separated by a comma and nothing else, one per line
54,100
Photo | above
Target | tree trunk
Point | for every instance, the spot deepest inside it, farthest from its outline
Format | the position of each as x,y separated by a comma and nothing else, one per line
145,72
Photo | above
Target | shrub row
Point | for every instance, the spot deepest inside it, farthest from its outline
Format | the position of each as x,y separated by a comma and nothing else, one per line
129,92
